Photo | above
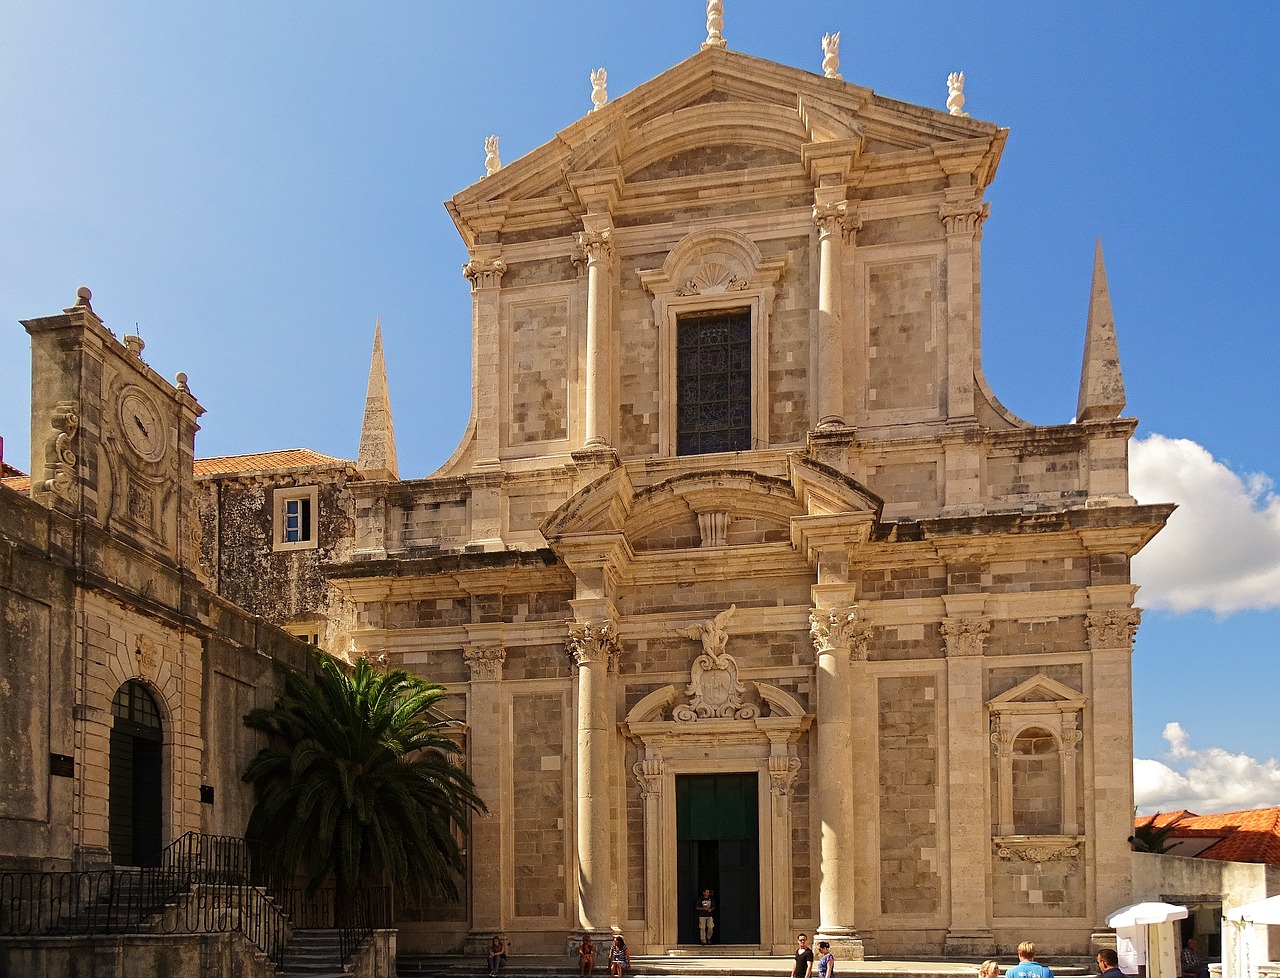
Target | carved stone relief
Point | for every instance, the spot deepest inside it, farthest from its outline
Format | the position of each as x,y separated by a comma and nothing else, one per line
714,689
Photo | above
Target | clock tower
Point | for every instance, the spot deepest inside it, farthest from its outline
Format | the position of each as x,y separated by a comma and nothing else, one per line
111,440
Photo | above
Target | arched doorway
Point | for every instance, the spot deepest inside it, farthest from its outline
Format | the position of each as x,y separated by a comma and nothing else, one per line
136,798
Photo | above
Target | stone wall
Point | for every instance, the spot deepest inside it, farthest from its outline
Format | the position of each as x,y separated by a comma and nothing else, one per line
539,780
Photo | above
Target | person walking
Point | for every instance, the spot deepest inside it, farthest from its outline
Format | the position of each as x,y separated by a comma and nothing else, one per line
706,917
1027,967
826,960
804,958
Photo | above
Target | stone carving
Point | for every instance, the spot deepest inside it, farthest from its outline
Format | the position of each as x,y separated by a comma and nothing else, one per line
1112,629
485,662
59,457
712,527
838,218
782,775
594,246
831,55
148,657
715,24
180,383
1001,736
714,690
599,94
833,629
955,94
965,636
713,278
484,274
142,506
964,216
648,774
1039,851
589,642
134,345
491,162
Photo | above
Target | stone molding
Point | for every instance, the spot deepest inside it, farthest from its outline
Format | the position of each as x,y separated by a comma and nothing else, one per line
833,629
964,216
965,636
485,661
1112,629
1038,848
589,642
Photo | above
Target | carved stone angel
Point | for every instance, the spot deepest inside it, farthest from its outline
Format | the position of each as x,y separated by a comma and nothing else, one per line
714,689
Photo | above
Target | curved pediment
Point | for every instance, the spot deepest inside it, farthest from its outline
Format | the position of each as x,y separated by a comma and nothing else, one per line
760,135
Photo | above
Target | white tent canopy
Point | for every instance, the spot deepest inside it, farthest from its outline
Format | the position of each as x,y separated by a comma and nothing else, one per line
1262,912
1139,914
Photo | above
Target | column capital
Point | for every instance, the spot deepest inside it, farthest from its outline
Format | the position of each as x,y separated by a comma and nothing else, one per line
590,642
594,247
484,274
965,636
1112,629
648,774
836,217
964,216
485,662
839,629
782,775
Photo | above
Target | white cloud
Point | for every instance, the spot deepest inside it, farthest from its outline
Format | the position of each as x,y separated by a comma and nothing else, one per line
1221,548
1203,781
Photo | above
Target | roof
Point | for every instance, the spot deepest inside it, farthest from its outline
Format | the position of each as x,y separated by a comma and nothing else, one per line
288,458
1249,836
19,483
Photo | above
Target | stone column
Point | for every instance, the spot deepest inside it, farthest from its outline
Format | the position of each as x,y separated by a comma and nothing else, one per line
594,649
487,734
834,223
968,745
597,248
484,272
962,214
836,631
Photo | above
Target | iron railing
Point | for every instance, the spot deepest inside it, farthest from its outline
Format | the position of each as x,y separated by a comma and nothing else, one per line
198,884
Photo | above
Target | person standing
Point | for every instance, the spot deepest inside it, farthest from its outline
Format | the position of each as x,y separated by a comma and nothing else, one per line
706,917
804,958
826,960
1027,966
1109,964
989,969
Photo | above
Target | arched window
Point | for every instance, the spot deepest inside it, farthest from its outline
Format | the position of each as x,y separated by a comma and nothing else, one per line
135,785
1037,783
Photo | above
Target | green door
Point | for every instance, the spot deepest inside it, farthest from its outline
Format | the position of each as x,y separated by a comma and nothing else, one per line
718,849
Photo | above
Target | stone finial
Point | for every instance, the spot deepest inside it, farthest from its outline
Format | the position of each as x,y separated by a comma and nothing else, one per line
1101,382
83,295
491,162
955,94
831,55
377,456
599,95
180,382
715,25
134,345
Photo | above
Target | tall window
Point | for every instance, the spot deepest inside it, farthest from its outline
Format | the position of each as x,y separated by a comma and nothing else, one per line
1037,783
713,382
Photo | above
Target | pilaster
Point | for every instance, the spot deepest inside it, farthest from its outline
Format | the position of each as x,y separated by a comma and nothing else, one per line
487,735
962,214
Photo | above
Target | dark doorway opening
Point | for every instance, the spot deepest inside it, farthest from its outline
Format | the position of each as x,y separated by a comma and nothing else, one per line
718,849
135,788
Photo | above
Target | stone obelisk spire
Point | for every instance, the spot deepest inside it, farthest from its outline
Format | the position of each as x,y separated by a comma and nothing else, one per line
1101,384
377,458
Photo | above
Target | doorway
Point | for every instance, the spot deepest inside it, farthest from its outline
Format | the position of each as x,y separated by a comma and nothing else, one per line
136,798
718,849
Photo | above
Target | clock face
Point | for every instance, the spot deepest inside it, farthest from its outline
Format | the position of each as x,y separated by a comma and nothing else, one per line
144,431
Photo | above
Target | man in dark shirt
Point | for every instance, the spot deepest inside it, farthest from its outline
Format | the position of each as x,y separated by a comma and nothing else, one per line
1109,964
1194,964
804,958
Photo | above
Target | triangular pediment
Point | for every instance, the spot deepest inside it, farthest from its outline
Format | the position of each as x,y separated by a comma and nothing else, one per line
718,110
1038,692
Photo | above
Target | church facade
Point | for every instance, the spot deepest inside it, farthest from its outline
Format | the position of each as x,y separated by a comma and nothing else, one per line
742,577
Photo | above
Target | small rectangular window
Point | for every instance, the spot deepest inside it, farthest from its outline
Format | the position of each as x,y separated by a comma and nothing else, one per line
713,382
295,518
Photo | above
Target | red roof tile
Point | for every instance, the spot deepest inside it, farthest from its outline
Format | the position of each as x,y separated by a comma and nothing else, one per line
1249,836
19,483
289,458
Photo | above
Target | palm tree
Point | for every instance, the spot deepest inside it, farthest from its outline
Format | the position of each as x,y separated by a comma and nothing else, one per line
357,784
1148,837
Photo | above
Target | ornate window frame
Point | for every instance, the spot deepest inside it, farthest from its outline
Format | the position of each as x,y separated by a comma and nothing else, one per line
1049,705
707,271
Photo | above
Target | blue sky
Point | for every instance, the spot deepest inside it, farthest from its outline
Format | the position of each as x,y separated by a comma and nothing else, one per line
248,185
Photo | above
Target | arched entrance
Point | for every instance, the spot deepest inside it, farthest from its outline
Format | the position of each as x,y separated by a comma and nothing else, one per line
136,798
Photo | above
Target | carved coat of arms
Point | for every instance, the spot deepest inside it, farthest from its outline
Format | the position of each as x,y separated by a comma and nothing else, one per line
714,689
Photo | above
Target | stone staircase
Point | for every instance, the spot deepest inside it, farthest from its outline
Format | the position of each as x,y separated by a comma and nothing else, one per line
313,954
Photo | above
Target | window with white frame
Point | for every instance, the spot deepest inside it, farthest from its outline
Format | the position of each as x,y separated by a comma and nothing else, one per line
296,512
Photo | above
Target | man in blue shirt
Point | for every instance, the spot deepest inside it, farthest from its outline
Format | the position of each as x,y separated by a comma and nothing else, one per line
1026,966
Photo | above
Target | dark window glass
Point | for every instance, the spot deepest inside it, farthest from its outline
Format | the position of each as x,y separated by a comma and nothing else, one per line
713,382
